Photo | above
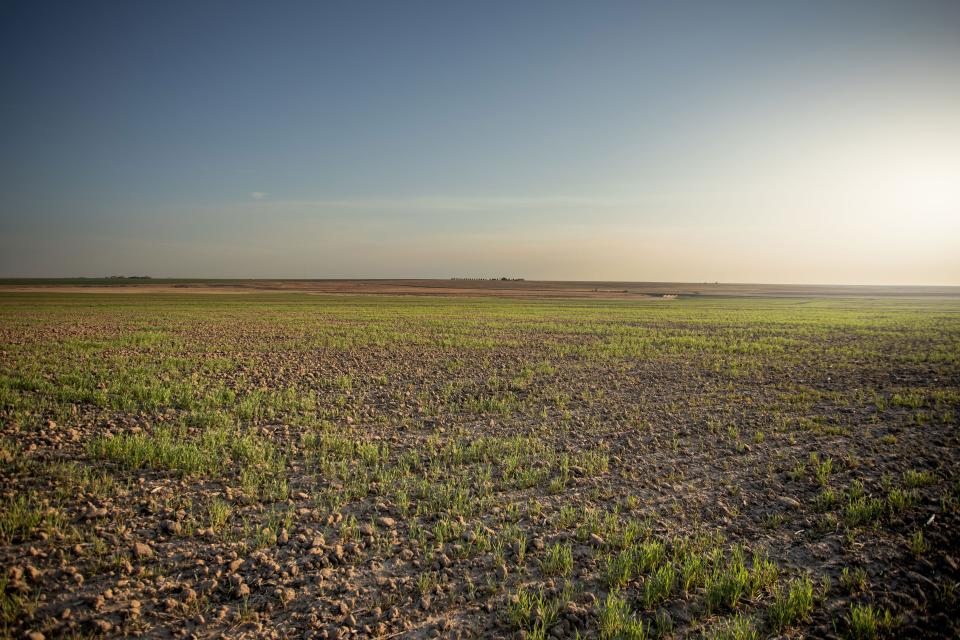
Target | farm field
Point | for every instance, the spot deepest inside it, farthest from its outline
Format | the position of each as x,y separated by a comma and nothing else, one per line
475,287
290,465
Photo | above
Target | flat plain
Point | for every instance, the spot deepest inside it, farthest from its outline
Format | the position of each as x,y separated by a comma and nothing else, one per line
292,465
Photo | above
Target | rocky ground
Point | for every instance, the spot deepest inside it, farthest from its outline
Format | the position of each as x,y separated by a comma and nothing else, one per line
307,466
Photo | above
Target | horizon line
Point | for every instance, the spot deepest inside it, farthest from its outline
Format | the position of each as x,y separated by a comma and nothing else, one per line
147,278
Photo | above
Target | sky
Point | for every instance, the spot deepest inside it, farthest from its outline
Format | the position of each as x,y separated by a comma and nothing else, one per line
774,142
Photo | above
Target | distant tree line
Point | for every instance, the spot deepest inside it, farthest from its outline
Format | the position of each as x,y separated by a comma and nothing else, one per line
502,279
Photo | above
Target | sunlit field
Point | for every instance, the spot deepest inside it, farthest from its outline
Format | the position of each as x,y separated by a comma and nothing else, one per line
334,466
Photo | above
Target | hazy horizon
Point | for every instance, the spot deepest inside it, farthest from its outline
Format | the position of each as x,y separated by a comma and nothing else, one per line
815,143
136,279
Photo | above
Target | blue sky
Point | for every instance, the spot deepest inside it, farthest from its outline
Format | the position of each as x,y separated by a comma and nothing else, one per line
764,142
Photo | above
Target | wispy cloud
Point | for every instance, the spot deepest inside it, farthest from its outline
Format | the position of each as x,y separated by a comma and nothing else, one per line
258,195
473,203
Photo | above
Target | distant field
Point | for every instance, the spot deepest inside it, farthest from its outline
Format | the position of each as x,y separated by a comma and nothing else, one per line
422,466
473,288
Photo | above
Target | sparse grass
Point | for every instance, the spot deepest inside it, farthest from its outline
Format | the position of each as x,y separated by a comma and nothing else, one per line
791,605
727,583
821,470
558,560
863,510
520,609
798,471
648,555
160,450
826,499
729,580
763,574
209,453
566,517
618,569
14,605
218,513
426,582
21,517
898,500
534,613
617,622
693,568
866,622
853,581
914,479
917,544
737,627
658,586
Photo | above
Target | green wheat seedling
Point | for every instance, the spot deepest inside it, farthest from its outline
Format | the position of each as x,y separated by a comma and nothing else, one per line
617,622
737,627
853,581
558,560
791,605
866,622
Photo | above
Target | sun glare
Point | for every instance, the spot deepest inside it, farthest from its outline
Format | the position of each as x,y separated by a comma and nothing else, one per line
928,191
